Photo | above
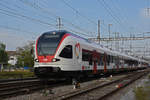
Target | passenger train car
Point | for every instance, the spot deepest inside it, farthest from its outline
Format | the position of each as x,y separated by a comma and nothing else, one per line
61,54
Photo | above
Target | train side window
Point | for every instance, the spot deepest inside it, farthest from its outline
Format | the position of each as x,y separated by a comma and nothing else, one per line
90,59
112,59
85,56
102,60
66,52
108,59
99,61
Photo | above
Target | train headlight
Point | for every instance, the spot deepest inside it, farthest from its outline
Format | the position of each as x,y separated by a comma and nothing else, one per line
55,59
36,60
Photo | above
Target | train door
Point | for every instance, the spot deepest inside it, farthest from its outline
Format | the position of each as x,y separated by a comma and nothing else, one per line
77,54
66,57
95,57
105,62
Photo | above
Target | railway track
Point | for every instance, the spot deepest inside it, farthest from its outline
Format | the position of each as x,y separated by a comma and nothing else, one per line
24,86
15,80
96,91
100,91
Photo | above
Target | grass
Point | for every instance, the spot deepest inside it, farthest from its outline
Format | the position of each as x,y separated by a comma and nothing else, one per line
143,92
149,76
140,93
16,74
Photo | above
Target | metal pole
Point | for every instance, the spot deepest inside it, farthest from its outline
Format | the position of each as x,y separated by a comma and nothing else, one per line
118,41
59,23
98,37
109,33
115,41
109,29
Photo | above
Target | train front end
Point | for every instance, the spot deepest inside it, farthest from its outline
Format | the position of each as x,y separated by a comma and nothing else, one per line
46,63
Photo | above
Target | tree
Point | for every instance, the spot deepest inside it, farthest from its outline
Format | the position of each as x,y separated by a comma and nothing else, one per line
3,55
25,57
2,46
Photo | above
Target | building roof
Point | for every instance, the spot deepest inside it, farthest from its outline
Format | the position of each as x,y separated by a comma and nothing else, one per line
12,53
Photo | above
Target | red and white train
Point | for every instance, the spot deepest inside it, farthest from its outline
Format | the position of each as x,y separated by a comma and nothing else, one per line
61,54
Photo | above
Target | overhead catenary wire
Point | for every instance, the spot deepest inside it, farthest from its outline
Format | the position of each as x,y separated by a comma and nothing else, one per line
108,11
30,32
35,6
116,19
82,15
26,17
76,26
9,13
19,30
120,12
113,13
78,32
14,15
78,12
16,29
23,9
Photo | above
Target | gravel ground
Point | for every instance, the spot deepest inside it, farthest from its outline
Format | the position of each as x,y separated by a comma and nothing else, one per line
49,94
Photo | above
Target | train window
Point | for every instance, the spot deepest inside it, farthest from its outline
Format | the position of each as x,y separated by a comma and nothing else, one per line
66,52
102,60
117,60
99,61
90,61
114,59
111,59
87,56
108,59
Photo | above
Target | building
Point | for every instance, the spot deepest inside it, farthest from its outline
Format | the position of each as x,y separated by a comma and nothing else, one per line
12,55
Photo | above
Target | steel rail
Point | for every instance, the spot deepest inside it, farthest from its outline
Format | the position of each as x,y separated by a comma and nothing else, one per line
80,93
11,89
19,79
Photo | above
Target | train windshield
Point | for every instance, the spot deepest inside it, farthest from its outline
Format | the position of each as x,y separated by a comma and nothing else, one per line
48,43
